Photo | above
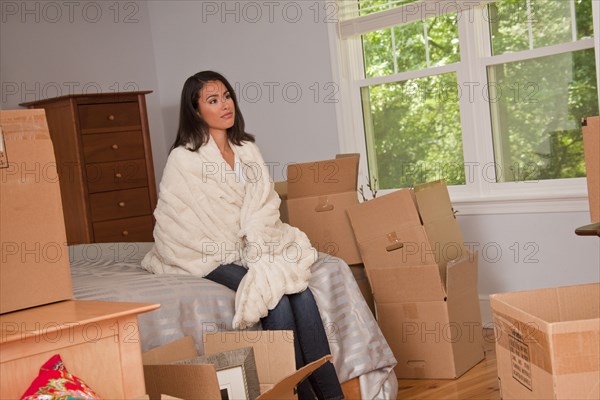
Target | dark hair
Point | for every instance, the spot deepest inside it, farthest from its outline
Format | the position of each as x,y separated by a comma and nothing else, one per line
193,130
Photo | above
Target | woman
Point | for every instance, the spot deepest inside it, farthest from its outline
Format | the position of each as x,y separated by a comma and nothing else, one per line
218,217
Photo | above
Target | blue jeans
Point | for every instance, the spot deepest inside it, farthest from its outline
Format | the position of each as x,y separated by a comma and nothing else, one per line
299,313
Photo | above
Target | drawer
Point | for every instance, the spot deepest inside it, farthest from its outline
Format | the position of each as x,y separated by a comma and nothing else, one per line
120,204
138,229
103,177
95,118
118,146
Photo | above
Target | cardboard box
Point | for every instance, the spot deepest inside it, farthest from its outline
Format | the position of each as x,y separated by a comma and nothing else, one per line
273,351
548,342
318,194
34,267
197,381
423,279
591,151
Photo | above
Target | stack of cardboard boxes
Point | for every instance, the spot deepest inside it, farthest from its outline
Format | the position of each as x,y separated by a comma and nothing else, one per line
409,246
424,281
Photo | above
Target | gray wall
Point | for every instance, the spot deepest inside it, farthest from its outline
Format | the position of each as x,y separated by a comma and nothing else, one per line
49,49
165,42
530,251
277,57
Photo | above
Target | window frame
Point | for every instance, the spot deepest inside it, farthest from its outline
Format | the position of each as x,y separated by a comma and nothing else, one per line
480,195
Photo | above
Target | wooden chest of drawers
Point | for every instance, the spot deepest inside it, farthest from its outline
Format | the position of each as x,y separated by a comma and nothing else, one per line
104,161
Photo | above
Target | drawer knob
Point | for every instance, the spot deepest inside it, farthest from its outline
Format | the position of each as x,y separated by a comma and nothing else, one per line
121,204
118,175
125,233
114,146
111,117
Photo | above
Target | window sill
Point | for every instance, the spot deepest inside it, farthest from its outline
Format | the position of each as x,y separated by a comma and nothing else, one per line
519,205
465,203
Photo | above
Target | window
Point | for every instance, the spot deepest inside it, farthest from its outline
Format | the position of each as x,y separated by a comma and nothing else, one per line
535,122
487,95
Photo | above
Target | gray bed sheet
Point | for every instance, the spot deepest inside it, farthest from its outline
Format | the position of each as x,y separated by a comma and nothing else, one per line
191,305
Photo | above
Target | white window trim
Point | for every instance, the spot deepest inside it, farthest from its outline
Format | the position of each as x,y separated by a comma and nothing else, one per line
481,197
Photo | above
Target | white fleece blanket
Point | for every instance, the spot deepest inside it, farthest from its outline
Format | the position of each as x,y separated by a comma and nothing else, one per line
208,215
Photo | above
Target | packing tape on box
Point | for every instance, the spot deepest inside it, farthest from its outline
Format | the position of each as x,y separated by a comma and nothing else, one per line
323,204
395,242
577,351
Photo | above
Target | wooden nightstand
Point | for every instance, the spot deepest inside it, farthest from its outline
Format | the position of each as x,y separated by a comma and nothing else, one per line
97,340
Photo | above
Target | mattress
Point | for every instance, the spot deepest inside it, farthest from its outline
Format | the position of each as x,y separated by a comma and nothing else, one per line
191,305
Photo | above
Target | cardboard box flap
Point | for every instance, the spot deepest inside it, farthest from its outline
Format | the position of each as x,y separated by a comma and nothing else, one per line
465,313
284,389
445,239
433,201
570,304
200,381
462,275
343,155
387,214
553,305
443,232
181,349
322,177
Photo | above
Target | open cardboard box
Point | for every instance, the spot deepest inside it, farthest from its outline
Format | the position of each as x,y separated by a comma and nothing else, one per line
315,198
424,281
197,381
34,267
548,342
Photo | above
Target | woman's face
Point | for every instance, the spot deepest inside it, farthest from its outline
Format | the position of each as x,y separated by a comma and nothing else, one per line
216,107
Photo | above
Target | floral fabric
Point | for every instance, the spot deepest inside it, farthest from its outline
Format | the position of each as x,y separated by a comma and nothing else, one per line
54,382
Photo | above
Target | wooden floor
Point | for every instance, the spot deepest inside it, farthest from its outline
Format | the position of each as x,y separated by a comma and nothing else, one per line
480,382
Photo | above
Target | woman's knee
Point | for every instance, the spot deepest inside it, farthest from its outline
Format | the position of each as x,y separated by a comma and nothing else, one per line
304,301
280,317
